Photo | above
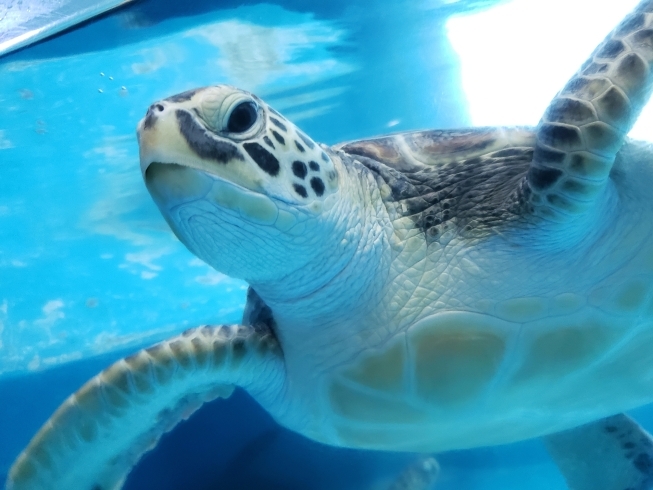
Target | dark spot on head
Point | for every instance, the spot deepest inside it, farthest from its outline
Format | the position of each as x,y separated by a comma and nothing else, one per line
200,141
263,158
274,112
278,124
317,185
299,169
628,445
305,139
182,97
643,463
300,189
543,178
268,141
299,146
150,119
314,166
278,137
325,157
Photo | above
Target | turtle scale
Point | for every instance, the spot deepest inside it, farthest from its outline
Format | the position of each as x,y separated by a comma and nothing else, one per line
441,178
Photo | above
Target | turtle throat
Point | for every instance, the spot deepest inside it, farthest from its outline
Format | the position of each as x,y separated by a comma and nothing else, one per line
344,275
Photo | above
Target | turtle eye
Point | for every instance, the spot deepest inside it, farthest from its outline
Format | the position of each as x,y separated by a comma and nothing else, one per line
242,117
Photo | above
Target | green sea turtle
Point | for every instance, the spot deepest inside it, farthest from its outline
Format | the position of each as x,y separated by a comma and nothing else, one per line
423,291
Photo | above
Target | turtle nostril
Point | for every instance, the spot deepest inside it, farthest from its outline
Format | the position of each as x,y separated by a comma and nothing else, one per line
152,114
154,109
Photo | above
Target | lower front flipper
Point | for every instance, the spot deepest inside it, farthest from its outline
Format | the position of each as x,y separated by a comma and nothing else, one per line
99,433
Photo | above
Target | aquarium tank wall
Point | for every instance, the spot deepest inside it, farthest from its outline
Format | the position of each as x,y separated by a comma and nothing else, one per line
91,272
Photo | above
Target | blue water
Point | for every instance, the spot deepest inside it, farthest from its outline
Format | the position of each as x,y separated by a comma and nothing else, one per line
89,271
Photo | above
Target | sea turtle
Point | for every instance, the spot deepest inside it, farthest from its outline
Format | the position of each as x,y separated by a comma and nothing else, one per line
423,291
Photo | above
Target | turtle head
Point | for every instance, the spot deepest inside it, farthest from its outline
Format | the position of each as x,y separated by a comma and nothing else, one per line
240,185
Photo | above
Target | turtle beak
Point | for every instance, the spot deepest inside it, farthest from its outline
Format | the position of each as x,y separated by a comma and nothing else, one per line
144,132
159,139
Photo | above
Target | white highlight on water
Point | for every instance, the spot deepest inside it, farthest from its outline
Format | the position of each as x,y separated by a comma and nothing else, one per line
515,57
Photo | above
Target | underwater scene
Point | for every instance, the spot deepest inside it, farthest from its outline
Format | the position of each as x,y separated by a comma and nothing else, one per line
463,305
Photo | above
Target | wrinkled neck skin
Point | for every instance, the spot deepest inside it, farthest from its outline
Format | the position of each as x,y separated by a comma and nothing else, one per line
322,267
331,296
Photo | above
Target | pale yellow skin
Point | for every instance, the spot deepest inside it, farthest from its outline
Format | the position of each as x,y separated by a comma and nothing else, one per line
459,343
486,342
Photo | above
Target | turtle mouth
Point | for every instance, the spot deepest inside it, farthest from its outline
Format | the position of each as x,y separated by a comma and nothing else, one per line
172,184
155,169
185,178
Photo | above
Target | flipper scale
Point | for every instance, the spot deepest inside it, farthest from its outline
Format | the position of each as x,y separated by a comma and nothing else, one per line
586,124
95,437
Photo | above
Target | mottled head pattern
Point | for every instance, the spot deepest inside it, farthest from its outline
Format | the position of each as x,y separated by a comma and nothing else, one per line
236,135
239,184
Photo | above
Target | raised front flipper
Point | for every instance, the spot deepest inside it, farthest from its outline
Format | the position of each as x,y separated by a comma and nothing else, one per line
586,123
97,435
610,454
